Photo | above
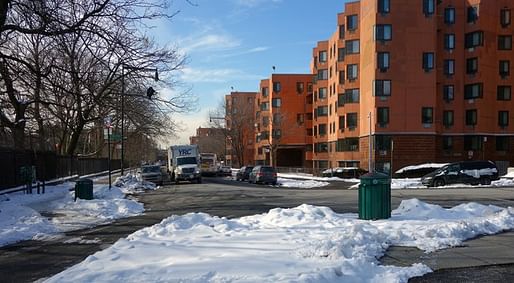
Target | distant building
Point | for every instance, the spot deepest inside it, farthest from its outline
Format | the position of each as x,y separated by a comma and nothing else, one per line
210,140
240,127
283,112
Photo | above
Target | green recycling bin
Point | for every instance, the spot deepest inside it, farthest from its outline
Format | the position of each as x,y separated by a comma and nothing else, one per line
84,189
374,196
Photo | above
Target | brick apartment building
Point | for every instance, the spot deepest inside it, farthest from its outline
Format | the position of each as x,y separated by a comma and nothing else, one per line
429,80
240,121
283,126
210,140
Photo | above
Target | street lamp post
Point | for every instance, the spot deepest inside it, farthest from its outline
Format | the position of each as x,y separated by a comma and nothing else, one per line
149,93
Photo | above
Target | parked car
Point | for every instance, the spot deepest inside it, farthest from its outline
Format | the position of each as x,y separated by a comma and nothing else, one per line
465,172
263,174
225,171
344,172
151,173
243,173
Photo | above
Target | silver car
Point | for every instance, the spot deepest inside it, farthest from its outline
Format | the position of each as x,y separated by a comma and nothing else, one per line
263,174
151,173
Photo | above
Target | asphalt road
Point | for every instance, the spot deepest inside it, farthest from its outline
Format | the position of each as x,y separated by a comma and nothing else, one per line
33,260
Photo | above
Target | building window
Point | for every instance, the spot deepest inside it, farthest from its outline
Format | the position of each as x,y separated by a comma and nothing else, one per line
472,14
449,41
471,66
384,6
322,56
276,86
348,144
352,46
341,122
341,77
300,118
428,7
351,120
448,92
472,142
340,54
448,118
505,42
502,143
504,66
449,15
351,96
383,32
322,111
276,102
322,129
322,93
383,61
265,92
383,116
382,88
447,143
383,142
472,91
323,74
264,106
503,92
503,118
277,133
300,87
427,115
473,39
505,17
352,22
449,67
352,72
471,117
265,121
341,32
428,61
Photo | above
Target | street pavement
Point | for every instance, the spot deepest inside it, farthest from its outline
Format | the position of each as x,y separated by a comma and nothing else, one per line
488,258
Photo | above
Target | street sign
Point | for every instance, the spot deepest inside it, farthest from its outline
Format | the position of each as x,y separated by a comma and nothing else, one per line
115,137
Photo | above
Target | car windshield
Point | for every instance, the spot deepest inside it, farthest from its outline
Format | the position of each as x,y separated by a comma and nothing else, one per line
186,160
268,169
151,169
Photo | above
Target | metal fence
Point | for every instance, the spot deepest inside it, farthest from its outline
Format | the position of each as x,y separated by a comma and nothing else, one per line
48,166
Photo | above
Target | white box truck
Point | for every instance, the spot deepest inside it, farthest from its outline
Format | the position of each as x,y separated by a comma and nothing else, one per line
183,163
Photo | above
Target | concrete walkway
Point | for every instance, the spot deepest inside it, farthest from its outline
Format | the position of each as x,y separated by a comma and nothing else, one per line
485,251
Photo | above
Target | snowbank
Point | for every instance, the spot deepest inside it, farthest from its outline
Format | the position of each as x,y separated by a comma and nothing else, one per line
45,216
302,244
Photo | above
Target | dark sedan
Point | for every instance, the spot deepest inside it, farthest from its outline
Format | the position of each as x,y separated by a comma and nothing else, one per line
244,173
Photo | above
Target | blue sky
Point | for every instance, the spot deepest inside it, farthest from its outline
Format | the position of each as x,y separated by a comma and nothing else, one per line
235,43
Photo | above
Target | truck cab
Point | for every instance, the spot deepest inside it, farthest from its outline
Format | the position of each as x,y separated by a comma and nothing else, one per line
183,163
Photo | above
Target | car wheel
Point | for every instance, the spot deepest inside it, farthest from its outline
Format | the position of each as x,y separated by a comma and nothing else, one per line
199,181
439,182
485,181
274,183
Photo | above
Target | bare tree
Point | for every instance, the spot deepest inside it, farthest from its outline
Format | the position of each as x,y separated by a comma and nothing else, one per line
70,88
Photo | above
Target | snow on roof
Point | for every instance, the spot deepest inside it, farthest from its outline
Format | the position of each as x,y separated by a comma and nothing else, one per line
420,166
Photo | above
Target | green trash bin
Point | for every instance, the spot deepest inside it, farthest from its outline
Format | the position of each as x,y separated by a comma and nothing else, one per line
374,196
84,189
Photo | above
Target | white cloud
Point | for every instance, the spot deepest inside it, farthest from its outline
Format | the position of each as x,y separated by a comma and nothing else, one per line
195,75
188,124
209,42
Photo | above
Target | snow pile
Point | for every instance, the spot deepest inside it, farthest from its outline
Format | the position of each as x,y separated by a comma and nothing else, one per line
302,244
303,184
132,184
45,216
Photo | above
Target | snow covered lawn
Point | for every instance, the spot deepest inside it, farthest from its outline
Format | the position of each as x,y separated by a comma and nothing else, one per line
302,244
46,216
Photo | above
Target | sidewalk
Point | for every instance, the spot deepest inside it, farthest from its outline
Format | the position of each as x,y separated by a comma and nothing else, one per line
483,251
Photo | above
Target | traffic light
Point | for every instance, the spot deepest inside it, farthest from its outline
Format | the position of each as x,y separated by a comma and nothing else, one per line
150,92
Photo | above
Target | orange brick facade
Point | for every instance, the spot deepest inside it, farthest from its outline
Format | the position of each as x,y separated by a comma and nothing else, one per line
429,81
